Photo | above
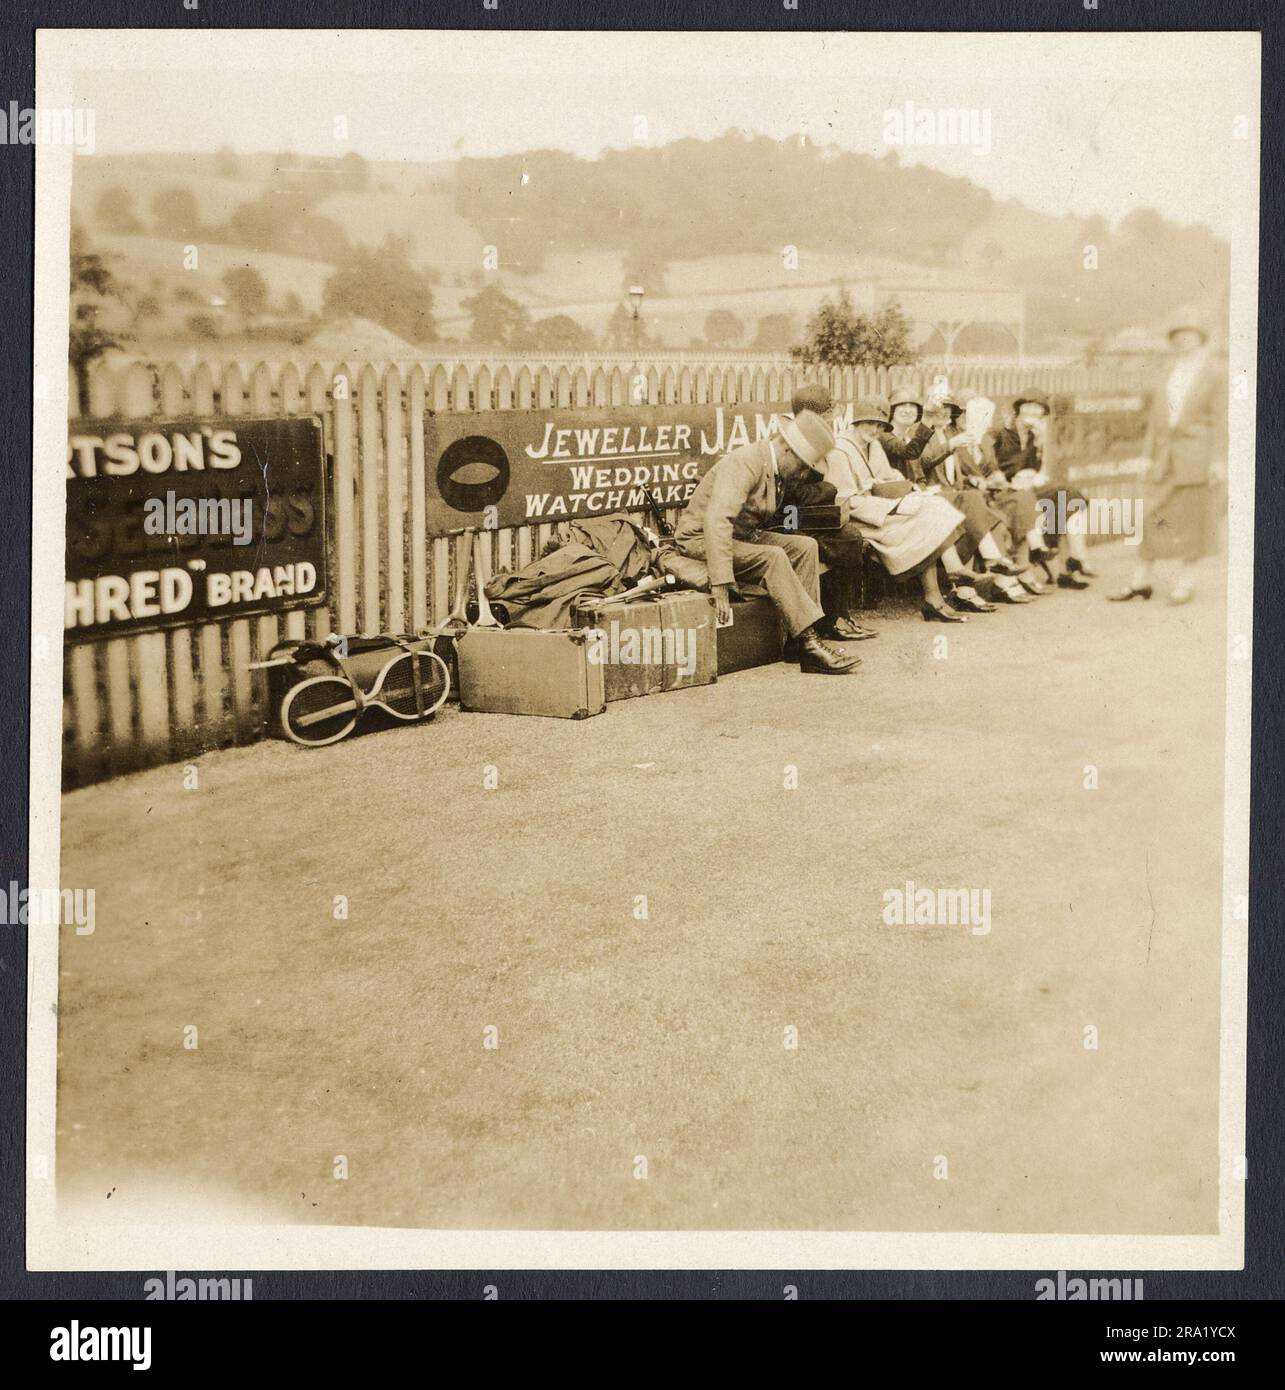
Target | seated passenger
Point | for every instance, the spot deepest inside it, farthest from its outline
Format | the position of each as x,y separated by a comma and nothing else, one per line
723,524
975,462
958,463
1019,454
911,532
869,519
904,443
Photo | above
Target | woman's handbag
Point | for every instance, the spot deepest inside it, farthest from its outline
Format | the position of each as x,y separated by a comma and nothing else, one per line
892,487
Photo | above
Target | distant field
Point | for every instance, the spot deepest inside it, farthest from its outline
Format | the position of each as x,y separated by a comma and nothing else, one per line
415,203
153,263
415,206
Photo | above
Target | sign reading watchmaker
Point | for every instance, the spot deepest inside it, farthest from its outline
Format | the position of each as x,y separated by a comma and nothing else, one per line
513,468
184,521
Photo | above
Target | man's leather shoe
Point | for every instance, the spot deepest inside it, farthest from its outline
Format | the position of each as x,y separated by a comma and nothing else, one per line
1070,581
815,657
844,630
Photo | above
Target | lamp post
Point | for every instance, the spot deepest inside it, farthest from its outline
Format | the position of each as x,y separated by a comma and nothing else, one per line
636,293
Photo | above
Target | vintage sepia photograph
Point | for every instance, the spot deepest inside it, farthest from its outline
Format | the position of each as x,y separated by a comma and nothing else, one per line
645,668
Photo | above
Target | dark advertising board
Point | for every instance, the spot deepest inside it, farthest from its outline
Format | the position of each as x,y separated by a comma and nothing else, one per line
1098,437
189,521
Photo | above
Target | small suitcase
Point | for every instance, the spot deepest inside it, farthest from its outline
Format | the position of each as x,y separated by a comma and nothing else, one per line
653,643
811,519
529,671
755,638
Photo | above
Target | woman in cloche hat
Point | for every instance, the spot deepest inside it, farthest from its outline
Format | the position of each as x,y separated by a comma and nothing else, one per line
904,442
911,532
1019,451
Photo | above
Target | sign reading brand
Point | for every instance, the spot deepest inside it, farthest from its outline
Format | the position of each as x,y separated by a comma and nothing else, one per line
512,468
181,521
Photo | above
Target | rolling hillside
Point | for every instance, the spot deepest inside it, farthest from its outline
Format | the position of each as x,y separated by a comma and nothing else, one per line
296,221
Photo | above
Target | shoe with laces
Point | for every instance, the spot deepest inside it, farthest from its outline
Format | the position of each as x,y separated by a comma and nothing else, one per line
816,658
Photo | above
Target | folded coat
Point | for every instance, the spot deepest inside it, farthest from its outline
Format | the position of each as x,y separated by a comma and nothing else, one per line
541,594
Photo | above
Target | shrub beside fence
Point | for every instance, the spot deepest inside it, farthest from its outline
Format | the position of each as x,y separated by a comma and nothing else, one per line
131,702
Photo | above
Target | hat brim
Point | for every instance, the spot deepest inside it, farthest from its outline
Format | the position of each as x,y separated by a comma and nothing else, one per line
808,454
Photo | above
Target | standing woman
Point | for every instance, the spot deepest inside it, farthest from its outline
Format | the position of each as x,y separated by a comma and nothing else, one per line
1187,448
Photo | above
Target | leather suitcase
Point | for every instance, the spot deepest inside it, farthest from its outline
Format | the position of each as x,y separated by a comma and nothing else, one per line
653,643
529,671
756,637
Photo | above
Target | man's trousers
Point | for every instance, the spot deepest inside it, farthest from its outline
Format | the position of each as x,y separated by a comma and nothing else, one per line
785,564
843,551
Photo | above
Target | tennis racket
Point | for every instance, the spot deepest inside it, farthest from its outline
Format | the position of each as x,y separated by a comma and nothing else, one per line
324,709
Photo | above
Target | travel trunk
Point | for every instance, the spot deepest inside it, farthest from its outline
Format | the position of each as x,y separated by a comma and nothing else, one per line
756,637
652,644
529,671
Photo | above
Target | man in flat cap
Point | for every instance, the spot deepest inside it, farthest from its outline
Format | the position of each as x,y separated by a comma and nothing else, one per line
723,524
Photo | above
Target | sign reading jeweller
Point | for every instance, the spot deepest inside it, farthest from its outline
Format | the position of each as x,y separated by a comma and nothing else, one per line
520,467
189,521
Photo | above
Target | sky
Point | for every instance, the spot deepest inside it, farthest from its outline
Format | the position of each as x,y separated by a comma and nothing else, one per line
1068,123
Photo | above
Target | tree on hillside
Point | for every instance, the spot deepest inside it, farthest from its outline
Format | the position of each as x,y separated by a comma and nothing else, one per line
322,239
175,213
247,290
498,320
643,266
624,332
838,336
723,328
204,326
558,333
114,211
775,333
93,286
888,338
354,173
270,222
148,307
384,287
